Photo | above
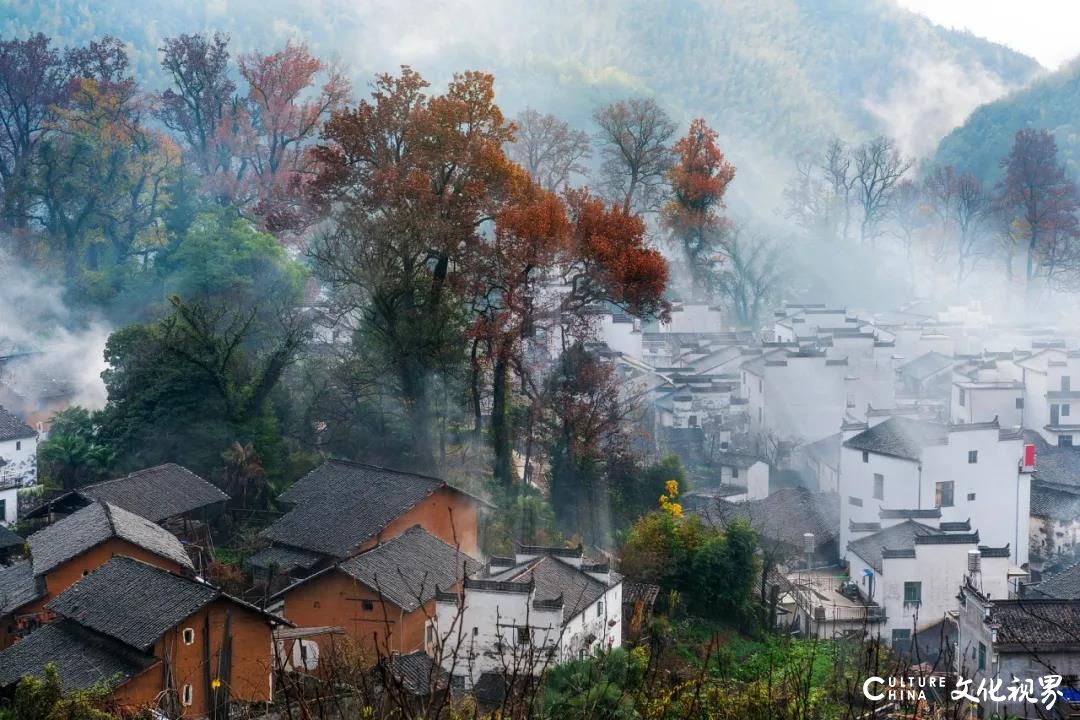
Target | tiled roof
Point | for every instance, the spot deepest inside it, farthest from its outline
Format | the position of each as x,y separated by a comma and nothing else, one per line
826,450
416,673
83,658
926,365
17,586
93,525
1055,502
340,505
132,601
1030,623
9,539
407,569
1064,585
899,437
554,578
784,516
12,428
157,493
285,559
900,537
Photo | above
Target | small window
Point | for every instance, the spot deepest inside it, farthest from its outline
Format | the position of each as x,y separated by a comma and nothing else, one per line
189,636
1065,441
85,573
1019,403
734,472
879,486
1064,411
692,421
475,631
18,444
524,636
963,397
600,609
857,502
186,695
982,656
368,605
973,457
943,494
865,456
429,633
971,496
316,604
900,637
1066,383
912,593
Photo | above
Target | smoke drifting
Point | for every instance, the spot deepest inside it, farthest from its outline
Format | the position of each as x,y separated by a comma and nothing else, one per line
46,349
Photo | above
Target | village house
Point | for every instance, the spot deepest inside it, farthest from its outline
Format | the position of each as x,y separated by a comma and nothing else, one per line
970,472
157,639
1063,585
542,607
342,508
18,463
1049,399
1016,640
911,569
383,598
1055,522
64,552
926,377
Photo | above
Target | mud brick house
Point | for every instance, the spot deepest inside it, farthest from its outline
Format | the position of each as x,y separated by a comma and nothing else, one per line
384,598
72,548
341,509
157,639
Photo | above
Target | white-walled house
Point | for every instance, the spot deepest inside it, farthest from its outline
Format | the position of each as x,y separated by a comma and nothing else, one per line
974,401
18,462
543,606
912,569
1051,406
796,394
968,472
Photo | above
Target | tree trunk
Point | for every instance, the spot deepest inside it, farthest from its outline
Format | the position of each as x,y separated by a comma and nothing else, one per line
500,431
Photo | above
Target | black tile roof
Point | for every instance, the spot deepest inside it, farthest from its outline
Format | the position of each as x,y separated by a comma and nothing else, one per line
784,516
1064,585
157,493
416,673
554,579
1028,624
83,658
12,428
340,505
18,586
899,437
132,601
9,539
94,524
407,569
900,537
1055,502
284,559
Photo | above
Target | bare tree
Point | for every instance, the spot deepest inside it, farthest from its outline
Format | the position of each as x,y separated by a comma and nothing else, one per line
633,137
549,149
841,181
878,168
749,276
972,213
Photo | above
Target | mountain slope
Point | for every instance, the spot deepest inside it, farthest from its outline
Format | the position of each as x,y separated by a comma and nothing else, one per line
773,76
1052,103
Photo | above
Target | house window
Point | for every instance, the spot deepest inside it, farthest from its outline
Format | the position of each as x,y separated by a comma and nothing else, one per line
857,502
3,510
429,634
1064,411
189,636
1065,441
524,636
18,444
600,609
865,456
1020,403
693,421
368,605
734,472
879,486
899,637
971,496
943,494
186,695
316,604
973,457
1066,383
963,397
982,656
912,593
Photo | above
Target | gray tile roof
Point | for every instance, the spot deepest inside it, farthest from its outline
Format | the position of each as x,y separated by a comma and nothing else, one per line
340,505
1027,624
9,539
407,568
132,601
897,537
899,437
82,657
1064,585
12,428
926,365
416,673
1055,502
157,493
18,586
94,524
784,516
554,578
284,559
826,450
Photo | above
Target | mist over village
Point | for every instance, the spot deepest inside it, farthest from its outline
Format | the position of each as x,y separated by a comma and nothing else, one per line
613,360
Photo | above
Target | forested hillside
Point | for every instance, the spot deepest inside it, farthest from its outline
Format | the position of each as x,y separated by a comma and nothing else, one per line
1052,103
774,77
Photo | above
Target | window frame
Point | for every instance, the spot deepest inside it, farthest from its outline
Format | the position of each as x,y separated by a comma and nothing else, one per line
913,592
973,457
187,695
879,486
186,633
940,495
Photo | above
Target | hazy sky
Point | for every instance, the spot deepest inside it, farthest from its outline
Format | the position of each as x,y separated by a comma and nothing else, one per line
1044,29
